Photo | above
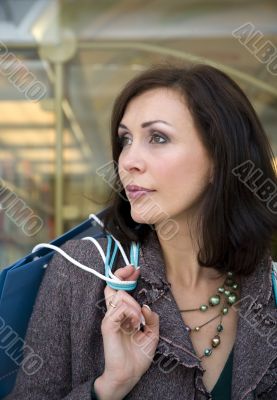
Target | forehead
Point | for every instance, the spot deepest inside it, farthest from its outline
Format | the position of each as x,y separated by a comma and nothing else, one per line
158,99
158,104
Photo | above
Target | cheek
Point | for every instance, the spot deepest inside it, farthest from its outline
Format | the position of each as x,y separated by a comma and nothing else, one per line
183,173
177,167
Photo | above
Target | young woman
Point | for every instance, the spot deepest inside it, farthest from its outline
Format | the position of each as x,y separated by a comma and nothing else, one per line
195,186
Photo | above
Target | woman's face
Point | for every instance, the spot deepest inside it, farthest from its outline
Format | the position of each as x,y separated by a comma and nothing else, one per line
162,151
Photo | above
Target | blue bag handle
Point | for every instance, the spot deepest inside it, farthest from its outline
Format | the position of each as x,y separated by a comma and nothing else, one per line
134,257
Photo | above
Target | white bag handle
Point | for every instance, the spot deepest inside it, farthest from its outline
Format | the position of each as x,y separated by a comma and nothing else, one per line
113,281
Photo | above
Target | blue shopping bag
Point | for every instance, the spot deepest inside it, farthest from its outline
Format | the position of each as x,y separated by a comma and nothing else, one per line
19,284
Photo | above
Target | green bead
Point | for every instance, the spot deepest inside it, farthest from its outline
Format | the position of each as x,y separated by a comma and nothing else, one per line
207,352
219,328
221,289
203,307
214,300
229,282
235,286
224,310
227,292
232,298
230,273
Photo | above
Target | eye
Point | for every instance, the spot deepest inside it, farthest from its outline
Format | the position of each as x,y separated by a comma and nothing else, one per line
157,135
121,140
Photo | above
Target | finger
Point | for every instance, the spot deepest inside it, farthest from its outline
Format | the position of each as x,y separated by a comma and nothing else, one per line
120,315
125,274
152,321
123,297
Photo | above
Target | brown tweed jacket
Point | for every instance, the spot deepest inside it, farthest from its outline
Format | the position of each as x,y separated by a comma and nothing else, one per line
65,332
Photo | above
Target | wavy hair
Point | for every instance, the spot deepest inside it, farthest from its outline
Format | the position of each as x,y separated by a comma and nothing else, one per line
237,219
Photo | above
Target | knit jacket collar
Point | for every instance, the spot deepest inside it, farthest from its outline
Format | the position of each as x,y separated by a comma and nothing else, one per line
254,348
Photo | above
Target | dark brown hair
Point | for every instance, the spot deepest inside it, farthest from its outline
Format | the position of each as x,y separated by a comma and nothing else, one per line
237,225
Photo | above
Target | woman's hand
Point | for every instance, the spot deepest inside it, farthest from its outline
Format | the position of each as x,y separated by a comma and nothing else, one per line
128,351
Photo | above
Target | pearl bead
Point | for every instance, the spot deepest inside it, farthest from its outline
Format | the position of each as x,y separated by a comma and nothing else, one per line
207,352
224,310
203,307
232,298
214,300
197,329
216,341
227,292
219,328
229,282
221,289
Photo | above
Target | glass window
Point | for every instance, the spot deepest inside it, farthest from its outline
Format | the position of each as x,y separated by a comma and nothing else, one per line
61,66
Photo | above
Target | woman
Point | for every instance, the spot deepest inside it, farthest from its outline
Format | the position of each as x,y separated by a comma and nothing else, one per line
201,322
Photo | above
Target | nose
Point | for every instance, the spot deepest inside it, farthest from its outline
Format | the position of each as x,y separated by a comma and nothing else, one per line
132,159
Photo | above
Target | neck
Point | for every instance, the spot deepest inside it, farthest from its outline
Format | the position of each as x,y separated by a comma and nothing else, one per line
180,257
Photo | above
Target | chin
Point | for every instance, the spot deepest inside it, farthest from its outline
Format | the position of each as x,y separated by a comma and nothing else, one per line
145,217
140,219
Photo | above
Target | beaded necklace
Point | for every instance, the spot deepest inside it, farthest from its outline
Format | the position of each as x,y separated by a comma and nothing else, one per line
229,290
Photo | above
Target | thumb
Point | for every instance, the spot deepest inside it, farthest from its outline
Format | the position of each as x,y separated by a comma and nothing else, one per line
128,273
151,320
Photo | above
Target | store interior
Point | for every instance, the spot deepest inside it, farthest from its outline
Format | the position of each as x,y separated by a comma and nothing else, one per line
82,53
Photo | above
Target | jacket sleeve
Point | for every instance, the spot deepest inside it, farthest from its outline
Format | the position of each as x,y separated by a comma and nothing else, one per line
48,337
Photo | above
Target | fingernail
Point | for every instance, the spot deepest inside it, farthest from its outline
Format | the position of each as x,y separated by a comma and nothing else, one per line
135,268
145,305
143,320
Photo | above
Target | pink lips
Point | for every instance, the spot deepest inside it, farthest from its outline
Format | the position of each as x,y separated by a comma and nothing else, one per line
135,192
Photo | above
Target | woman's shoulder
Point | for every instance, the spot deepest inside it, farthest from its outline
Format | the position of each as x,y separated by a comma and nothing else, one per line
85,249
84,253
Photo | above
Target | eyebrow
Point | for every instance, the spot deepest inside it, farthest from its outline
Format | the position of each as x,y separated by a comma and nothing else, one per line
146,124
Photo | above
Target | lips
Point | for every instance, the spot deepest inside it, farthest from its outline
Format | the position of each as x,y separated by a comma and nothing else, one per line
135,188
135,191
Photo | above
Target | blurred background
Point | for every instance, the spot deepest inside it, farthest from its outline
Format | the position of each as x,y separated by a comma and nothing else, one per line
61,65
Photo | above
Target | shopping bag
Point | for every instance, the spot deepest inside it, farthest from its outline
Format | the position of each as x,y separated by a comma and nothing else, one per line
19,284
